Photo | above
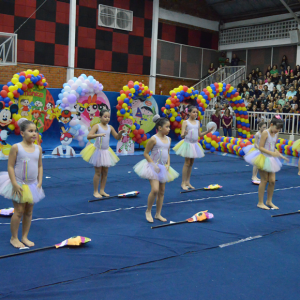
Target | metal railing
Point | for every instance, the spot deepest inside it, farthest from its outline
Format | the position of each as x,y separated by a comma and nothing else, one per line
229,75
8,48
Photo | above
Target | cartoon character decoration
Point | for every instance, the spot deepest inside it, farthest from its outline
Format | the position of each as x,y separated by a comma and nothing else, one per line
7,125
66,135
84,99
125,145
137,104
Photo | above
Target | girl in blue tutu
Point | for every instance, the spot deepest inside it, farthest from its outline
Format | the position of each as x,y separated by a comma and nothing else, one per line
156,167
188,147
23,181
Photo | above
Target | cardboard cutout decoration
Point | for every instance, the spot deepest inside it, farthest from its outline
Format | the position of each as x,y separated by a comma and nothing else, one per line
125,145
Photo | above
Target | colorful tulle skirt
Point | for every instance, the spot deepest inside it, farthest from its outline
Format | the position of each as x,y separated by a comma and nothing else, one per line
189,150
268,164
98,157
145,170
31,193
296,145
250,153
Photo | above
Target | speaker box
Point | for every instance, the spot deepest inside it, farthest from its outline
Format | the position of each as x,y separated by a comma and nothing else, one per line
294,36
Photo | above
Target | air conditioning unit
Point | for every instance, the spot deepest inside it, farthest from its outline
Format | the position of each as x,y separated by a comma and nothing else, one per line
113,17
294,36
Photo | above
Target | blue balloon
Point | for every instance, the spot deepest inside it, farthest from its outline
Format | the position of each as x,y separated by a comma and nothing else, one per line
21,92
167,106
122,111
212,149
6,99
22,79
178,119
79,90
38,78
58,102
164,115
216,133
170,115
136,87
10,84
1,99
137,126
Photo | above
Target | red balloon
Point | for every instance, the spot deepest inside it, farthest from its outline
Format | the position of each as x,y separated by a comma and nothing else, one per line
120,102
22,74
172,105
17,131
173,100
120,119
118,107
10,103
163,109
138,136
15,93
130,85
144,138
5,88
141,131
185,88
139,141
179,125
135,132
134,139
175,124
173,95
3,93
24,86
30,85
209,134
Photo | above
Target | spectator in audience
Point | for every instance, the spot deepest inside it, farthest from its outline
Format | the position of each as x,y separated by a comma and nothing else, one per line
256,92
253,74
288,70
260,85
266,90
211,69
223,101
279,108
216,117
292,76
249,106
260,76
298,76
242,85
244,92
274,74
297,69
287,84
298,93
222,59
274,92
294,101
282,100
270,85
249,78
279,85
287,107
227,122
284,62
282,76
252,84
291,93
267,77
263,108
247,99
268,70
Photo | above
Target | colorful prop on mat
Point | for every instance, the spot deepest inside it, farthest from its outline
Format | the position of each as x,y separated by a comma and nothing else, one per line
183,93
287,214
257,182
73,241
198,217
7,212
211,187
133,91
125,195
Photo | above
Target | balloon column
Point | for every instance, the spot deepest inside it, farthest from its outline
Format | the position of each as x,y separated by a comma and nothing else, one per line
68,97
130,92
171,108
285,147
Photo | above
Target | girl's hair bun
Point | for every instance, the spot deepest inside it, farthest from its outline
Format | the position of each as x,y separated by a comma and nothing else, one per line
155,118
20,121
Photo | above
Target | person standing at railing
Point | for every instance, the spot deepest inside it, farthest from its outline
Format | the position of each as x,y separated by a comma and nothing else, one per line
274,74
227,122
211,69
216,117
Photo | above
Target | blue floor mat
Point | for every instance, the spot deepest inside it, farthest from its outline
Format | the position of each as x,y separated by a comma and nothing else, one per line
120,235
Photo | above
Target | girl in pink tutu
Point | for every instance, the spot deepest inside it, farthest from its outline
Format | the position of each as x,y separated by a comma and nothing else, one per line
23,181
251,150
100,155
266,159
156,167
188,147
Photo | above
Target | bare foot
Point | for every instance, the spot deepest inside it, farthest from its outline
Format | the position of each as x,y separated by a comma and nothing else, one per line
255,179
16,243
97,195
272,205
263,206
160,218
27,242
149,217
184,187
104,194
299,173
189,185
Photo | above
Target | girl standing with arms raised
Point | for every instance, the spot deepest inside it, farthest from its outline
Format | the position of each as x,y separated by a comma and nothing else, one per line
23,181
189,148
100,155
267,161
156,167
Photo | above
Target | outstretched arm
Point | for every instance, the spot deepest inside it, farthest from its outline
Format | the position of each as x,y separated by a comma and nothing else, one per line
151,143
40,169
116,135
93,135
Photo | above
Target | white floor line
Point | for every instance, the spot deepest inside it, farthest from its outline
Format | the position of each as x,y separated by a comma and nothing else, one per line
144,206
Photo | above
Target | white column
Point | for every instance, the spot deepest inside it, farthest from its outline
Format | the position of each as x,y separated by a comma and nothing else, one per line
152,80
298,55
72,32
229,55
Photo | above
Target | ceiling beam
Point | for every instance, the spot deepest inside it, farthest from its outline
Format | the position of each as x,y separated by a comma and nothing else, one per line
290,10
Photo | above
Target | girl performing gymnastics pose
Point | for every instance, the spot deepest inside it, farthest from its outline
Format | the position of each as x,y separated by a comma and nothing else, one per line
156,167
23,181
189,148
247,150
266,159
100,155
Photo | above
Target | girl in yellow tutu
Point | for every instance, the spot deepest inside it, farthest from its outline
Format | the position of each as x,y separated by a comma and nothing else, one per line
23,181
189,148
267,161
100,155
156,167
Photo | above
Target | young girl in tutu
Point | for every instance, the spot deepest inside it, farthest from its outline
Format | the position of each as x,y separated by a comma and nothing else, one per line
156,167
251,148
100,155
266,159
23,181
189,148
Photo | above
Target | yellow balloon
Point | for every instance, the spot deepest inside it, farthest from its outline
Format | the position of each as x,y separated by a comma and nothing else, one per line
11,88
19,84
124,105
14,80
10,95
43,80
131,135
168,102
126,115
133,127
29,71
125,88
36,72
132,90
11,127
208,140
119,114
172,119
177,130
16,75
123,96
17,117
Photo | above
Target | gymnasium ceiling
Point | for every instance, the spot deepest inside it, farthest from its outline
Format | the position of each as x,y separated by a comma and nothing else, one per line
230,10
